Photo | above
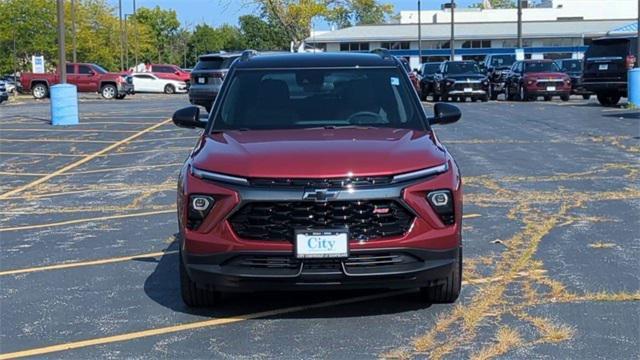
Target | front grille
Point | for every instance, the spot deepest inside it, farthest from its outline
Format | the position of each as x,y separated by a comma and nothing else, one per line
463,85
544,84
324,183
354,261
366,220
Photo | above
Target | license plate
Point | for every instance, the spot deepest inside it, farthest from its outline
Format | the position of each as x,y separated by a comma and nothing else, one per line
468,89
201,80
603,67
551,88
322,244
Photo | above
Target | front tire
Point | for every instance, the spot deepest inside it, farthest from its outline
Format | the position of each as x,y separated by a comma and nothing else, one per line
40,91
523,94
586,96
169,89
565,97
109,91
608,99
448,292
492,94
193,296
120,97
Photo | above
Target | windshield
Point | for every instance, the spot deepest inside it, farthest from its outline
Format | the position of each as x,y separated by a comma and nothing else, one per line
214,63
608,48
428,69
572,65
542,66
499,61
312,98
99,69
462,68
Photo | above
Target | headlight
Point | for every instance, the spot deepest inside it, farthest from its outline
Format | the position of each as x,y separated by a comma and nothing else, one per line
567,81
199,208
450,82
531,82
442,203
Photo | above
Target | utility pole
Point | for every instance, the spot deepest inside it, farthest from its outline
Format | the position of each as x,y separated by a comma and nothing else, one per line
452,43
135,33
126,43
62,62
519,24
419,34
120,37
638,39
73,29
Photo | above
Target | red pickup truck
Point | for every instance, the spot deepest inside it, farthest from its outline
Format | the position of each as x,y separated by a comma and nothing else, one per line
87,77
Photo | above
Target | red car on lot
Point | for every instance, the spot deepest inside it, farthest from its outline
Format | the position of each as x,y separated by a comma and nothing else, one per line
86,77
170,72
318,171
530,79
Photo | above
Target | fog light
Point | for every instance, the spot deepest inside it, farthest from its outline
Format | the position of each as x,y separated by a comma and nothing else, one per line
199,207
442,203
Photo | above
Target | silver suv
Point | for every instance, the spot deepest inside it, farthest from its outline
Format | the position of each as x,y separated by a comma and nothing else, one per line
207,77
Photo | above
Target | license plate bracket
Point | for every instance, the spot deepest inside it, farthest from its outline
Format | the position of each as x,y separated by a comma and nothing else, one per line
551,88
321,243
468,90
603,67
201,80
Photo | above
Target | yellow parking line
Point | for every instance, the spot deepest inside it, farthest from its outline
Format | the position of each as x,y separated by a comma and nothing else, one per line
39,154
82,141
78,221
95,171
471,216
192,326
83,160
206,323
86,263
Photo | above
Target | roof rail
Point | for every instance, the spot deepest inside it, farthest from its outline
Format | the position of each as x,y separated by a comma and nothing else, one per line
248,54
383,53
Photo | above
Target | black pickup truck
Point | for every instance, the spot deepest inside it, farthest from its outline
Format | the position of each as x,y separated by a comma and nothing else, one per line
496,67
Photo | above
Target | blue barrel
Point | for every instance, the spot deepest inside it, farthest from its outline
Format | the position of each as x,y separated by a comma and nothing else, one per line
64,104
634,86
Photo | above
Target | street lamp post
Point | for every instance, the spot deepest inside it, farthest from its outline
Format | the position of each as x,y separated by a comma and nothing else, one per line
453,36
120,37
62,62
73,29
419,34
126,42
519,24
135,33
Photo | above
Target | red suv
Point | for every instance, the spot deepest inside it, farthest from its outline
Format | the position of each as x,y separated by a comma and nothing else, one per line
318,171
170,72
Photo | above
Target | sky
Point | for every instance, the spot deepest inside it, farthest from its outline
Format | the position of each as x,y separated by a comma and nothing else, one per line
218,12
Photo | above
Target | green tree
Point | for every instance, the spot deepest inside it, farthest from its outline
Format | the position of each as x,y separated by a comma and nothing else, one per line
294,16
258,34
164,25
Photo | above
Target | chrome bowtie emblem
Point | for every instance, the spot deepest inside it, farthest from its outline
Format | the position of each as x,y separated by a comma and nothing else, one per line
320,195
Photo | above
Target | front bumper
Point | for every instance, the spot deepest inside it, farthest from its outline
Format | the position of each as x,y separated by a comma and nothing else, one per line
125,89
370,269
467,93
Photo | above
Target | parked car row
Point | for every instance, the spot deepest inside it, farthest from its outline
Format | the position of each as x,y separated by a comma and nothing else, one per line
89,77
602,72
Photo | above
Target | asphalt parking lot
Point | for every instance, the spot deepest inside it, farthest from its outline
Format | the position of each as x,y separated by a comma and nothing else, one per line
88,258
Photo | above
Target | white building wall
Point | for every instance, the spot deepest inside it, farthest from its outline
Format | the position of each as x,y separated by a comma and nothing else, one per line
586,9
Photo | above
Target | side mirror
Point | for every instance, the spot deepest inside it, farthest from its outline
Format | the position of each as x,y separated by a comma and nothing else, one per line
91,73
188,117
445,114
177,72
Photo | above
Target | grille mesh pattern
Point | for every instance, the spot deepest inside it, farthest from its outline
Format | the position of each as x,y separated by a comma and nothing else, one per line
278,220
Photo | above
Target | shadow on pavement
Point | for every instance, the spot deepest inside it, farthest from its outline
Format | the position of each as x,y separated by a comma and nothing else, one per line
163,287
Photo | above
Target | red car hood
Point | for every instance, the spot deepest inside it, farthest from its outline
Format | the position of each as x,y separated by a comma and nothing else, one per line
318,153
546,75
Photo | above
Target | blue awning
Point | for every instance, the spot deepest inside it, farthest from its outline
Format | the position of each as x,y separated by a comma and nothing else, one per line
629,28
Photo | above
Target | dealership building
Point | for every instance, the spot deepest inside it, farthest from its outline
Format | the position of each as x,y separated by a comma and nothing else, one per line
550,29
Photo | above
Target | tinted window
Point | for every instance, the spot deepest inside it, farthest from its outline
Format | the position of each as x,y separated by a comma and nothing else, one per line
142,76
99,69
462,68
571,65
430,68
70,69
502,60
608,48
541,66
162,69
309,98
84,69
214,63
